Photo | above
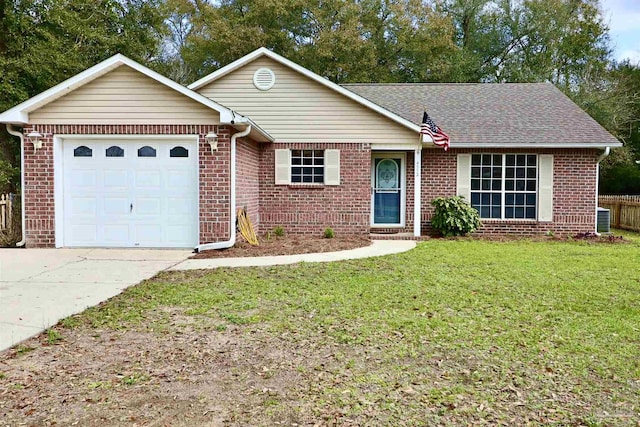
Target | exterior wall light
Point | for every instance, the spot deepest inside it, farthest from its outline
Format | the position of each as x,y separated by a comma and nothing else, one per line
34,137
212,139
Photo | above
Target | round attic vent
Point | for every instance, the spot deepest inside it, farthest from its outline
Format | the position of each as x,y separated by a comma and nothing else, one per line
264,79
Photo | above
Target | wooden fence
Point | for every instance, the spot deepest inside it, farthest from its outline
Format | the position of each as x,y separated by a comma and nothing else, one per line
625,211
6,210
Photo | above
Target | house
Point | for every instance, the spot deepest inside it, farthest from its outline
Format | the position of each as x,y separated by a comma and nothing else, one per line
120,156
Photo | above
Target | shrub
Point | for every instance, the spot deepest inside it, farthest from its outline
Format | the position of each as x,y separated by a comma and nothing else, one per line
278,231
328,233
453,216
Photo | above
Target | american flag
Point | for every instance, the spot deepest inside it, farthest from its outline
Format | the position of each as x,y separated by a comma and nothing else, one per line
430,128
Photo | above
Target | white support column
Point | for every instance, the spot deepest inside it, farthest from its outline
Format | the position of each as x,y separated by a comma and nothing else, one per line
417,181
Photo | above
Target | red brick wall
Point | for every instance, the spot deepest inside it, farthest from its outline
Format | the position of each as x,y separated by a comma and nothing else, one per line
247,180
309,209
39,177
574,191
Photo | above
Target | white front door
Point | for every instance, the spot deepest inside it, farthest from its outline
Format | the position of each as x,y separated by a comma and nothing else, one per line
130,193
388,189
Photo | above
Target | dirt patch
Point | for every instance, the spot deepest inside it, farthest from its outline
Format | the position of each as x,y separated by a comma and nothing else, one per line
287,245
600,238
583,237
249,375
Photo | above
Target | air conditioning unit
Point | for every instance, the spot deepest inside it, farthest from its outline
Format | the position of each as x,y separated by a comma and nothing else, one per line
604,220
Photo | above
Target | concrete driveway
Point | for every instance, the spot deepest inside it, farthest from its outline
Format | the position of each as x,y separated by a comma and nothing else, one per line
38,287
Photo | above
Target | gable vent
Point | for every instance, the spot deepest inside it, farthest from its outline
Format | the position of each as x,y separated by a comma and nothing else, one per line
264,79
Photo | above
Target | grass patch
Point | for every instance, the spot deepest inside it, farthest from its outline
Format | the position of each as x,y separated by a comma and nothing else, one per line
463,327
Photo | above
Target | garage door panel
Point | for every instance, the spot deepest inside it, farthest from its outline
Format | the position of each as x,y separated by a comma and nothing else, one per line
148,206
180,205
83,206
116,179
117,234
86,234
147,234
117,206
130,201
147,179
83,178
179,179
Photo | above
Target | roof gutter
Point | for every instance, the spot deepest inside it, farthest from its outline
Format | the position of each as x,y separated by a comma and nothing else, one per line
232,199
13,132
532,145
606,152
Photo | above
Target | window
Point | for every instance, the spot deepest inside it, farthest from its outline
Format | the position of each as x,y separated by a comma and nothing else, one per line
307,166
178,152
504,186
146,151
82,151
114,151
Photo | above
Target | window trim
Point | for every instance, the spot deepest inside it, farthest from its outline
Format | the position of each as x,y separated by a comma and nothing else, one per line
503,190
302,166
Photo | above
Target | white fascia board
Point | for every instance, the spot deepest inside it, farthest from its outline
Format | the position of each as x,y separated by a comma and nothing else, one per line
310,74
20,113
393,147
598,145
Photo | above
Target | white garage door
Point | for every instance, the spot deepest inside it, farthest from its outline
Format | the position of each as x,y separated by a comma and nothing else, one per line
130,193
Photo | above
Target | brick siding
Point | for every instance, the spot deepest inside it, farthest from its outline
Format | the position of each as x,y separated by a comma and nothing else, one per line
248,180
574,191
309,209
39,177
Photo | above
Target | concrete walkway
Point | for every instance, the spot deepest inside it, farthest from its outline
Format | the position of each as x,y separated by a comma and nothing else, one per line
377,248
38,287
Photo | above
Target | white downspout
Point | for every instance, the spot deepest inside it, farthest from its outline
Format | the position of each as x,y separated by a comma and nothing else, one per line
607,150
232,202
13,132
417,182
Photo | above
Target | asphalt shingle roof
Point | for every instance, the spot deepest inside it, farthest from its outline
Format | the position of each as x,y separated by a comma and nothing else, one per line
485,113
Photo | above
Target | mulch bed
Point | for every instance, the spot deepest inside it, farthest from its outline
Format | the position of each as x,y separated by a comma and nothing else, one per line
287,245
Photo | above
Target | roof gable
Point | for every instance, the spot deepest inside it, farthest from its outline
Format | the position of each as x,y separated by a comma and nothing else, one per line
20,113
264,52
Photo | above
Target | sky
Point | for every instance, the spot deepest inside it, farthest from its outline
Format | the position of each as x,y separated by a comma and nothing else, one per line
623,18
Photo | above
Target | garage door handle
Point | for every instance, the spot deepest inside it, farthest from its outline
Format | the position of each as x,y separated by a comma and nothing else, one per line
131,208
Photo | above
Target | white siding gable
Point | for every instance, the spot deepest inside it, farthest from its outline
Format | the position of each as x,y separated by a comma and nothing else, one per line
298,109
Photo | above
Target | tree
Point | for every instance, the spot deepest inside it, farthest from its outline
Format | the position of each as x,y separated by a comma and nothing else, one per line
43,42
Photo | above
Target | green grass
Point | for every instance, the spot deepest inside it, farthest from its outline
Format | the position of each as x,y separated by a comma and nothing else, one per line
546,316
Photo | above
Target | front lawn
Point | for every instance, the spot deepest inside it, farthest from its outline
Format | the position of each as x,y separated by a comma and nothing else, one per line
455,332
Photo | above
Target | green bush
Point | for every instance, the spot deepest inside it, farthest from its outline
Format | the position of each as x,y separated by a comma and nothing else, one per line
328,233
453,216
278,231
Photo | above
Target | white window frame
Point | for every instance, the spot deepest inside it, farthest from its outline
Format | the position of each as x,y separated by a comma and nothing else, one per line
302,166
503,190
